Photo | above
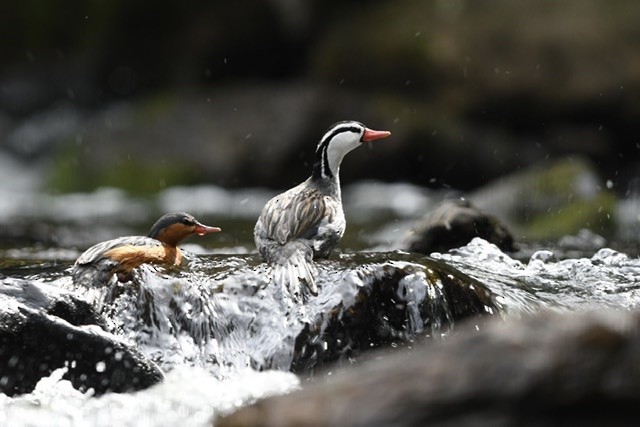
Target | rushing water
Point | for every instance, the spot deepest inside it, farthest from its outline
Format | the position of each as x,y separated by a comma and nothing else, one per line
608,279
188,396
177,318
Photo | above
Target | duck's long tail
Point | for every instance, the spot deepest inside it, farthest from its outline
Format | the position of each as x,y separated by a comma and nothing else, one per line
295,274
294,268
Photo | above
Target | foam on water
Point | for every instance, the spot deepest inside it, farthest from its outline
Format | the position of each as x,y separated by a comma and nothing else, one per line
188,396
607,279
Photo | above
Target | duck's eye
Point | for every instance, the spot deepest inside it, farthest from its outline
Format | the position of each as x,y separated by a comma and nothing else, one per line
187,221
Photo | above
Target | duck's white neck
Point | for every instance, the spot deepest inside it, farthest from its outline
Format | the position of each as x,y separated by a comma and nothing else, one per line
332,149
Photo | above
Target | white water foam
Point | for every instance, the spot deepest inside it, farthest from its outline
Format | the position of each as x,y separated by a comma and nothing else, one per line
188,396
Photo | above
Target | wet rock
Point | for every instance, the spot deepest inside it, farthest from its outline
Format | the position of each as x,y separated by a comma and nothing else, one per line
389,303
43,328
549,368
455,223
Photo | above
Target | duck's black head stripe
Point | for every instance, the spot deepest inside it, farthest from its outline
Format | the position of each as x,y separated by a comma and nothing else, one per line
338,130
321,167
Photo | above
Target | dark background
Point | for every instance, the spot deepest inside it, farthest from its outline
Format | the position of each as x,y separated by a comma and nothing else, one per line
148,94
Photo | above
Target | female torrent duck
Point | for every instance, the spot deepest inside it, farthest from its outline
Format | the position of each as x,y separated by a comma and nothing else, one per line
120,256
307,221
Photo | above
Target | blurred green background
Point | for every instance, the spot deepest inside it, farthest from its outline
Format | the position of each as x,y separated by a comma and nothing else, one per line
144,95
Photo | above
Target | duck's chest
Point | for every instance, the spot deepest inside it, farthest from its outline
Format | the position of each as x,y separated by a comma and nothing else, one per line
330,231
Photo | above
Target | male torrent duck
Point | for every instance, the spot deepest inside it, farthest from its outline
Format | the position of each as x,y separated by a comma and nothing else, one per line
307,221
120,256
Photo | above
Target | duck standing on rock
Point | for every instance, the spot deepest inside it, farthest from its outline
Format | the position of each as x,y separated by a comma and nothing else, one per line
307,221
120,256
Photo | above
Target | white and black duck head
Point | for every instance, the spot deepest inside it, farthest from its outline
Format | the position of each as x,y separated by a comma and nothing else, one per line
338,140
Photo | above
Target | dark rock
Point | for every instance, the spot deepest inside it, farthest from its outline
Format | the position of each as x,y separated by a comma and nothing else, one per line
577,369
455,223
394,303
44,328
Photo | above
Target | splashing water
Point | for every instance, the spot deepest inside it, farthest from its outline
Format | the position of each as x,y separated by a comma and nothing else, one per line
607,279
223,319
188,396
224,339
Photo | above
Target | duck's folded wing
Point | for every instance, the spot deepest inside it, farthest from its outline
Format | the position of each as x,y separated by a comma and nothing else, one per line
295,216
129,244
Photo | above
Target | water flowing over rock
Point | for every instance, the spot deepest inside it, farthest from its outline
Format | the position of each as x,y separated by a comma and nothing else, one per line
43,329
225,314
212,326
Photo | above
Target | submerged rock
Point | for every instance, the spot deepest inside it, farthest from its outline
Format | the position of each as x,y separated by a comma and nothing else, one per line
455,223
43,328
569,369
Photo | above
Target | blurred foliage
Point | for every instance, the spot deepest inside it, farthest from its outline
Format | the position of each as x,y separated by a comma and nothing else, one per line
471,90
595,214
135,174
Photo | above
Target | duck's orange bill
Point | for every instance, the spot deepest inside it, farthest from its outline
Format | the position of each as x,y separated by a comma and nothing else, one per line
372,135
202,229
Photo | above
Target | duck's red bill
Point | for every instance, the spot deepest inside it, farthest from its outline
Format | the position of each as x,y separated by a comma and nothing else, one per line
202,229
372,135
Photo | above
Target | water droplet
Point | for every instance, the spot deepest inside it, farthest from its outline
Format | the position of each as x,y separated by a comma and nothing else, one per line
101,367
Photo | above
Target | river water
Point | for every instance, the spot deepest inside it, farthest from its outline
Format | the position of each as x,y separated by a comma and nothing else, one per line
45,233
